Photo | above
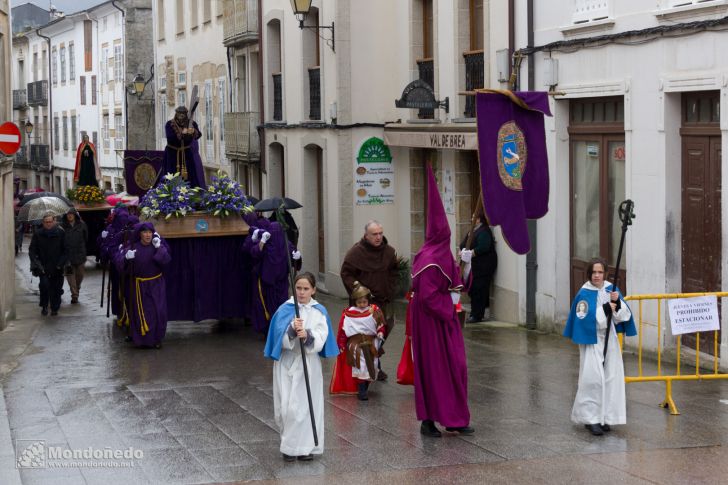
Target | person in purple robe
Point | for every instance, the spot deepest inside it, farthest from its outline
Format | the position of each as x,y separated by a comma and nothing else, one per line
182,154
269,255
143,261
438,348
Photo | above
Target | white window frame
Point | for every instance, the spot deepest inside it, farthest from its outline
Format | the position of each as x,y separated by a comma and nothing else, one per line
62,53
54,66
105,130
118,63
71,62
182,79
590,10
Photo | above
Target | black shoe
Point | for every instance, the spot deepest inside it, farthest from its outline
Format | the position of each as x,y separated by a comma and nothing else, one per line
428,428
127,338
288,457
606,428
308,457
54,313
74,301
362,391
158,346
381,376
464,430
595,429
44,311
472,319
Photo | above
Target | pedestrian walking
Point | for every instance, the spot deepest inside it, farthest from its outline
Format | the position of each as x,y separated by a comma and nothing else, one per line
438,347
373,263
143,262
600,400
290,396
47,259
360,337
484,261
76,234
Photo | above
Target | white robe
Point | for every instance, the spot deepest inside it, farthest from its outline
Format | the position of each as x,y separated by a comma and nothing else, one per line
600,397
289,387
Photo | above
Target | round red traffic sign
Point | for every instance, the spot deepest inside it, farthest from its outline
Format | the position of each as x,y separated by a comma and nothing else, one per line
9,138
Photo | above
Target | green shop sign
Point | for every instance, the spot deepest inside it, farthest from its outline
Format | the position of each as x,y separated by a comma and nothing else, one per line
374,151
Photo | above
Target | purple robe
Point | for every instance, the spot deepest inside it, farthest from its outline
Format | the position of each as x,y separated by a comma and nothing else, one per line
438,348
183,149
270,289
146,305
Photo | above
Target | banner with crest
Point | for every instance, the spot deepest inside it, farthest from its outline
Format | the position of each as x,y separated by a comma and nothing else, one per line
514,173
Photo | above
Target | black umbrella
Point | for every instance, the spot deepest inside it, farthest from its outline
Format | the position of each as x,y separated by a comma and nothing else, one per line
276,203
36,195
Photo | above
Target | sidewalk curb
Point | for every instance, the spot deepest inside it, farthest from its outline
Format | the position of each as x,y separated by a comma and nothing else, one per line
9,474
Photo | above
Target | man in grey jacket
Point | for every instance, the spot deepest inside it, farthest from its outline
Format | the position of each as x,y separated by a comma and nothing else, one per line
76,237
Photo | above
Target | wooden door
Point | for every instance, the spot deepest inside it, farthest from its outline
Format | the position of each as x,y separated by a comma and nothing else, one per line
701,222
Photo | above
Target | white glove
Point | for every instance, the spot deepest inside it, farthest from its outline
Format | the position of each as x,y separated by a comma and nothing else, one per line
455,297
255,235
104,234
156,242
466,255
156,234
296,255
264,238
121,246
130,254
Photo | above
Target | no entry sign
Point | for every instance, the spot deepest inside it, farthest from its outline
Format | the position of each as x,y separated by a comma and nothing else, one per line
9,138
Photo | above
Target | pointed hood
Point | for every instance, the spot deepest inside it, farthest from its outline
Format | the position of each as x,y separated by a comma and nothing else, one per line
436,250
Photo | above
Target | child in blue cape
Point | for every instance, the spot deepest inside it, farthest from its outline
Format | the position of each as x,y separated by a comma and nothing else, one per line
289,385
600,398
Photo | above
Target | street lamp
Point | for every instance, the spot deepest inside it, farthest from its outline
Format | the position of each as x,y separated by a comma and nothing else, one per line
301,8
28,127
137,86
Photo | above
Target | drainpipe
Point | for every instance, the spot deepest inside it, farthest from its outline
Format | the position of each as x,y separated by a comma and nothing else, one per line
50,105
532,256
261,96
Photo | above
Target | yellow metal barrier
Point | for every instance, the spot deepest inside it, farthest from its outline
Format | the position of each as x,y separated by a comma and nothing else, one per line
678,376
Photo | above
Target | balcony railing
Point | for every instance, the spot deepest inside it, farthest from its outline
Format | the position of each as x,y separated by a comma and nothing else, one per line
426,68
20,99
40,157
21,158
38,93
314,93
241,136
474,79
277,97
240,22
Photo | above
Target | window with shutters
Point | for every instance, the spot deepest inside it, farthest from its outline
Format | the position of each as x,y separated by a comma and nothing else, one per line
56,133
160,19
93,90
88,60
82,85
74,126
180,17
54,66
206,11
105,131
71,62
65,132
63,64
118,63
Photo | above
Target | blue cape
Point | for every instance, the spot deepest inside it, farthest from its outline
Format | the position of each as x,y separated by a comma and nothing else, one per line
581,327
279,325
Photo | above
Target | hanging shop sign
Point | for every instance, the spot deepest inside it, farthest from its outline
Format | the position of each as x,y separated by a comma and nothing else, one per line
432,139
419,95
373,174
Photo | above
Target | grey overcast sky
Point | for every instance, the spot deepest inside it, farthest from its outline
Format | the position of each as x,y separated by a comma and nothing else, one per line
66,6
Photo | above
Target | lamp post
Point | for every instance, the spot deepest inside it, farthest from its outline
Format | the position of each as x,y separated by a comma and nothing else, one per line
301,9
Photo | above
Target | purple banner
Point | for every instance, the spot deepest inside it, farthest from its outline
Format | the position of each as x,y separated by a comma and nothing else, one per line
514,172
141,168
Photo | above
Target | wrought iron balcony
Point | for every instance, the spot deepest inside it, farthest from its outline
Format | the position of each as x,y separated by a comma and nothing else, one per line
474,79
241,136
240,22
277,97
40,157
20,99
314,93
21,158
38,93
426,68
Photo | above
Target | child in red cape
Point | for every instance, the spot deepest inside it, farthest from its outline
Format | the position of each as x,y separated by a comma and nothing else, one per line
362,330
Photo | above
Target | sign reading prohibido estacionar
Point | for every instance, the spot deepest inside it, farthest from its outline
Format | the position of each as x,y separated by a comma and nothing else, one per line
374,174
690,315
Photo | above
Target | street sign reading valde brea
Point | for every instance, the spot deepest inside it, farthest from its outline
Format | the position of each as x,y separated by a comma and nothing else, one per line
9,138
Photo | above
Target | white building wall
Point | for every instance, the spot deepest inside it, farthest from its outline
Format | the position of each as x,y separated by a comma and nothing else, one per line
196,49
650,77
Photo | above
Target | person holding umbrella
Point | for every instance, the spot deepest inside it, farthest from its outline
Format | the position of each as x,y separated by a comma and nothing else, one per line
300,321
47,258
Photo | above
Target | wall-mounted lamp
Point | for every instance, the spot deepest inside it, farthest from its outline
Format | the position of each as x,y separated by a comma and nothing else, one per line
28,127
137,86
301,8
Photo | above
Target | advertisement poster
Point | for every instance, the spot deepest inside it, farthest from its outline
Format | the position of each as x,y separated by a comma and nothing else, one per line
374,174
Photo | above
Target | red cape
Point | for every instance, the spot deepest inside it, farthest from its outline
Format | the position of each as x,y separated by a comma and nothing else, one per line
77,170
342,381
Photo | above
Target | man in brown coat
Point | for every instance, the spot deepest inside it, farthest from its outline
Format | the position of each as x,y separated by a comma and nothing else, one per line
373,263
